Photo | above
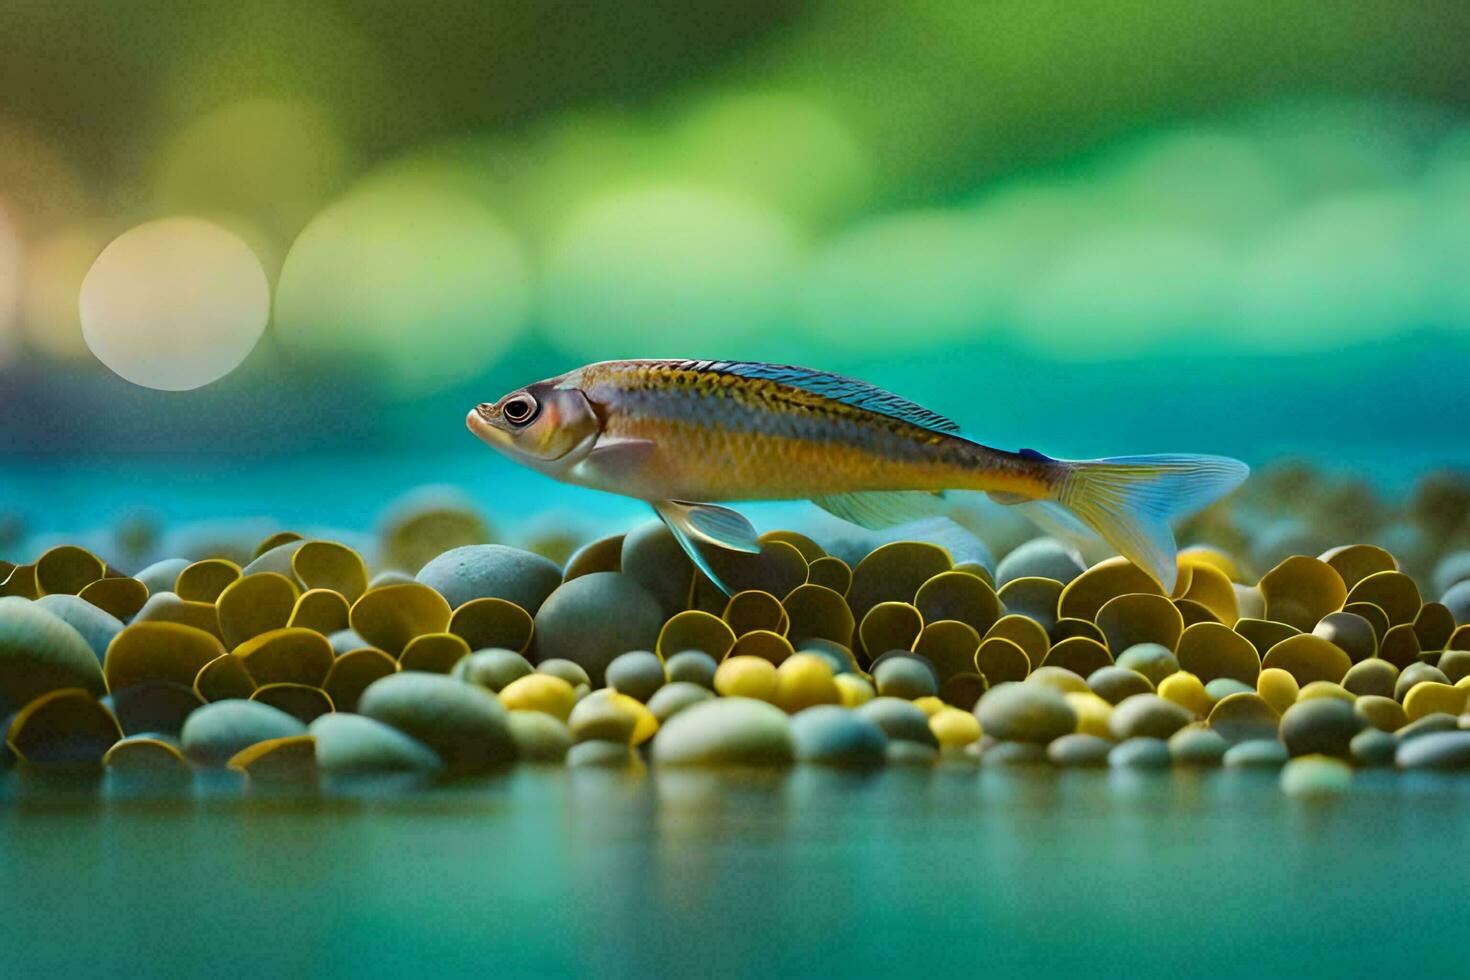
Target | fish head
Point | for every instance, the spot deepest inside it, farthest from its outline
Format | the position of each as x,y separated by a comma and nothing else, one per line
548,426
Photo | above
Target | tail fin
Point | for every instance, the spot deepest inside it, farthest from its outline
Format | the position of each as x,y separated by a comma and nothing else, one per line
1129,500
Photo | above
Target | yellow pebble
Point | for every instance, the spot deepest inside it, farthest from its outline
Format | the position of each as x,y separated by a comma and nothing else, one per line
1326,689
1429,697
1277,688
954,728
1382,713
930,705
1093,713
540,692
1059,679
746,677
1463,683
606,715
854,690
803,680
1187,691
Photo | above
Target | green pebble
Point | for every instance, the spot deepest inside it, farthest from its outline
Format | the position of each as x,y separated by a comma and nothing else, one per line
1153,660
1039,558
1373,677
904,677
1114,683
1140,753
1430,724
1261,753
602,755
1372,747
901,721
1316,776
693,666
345,641
637,673
725,731
1020,712
97,627
1320,726
1197,747
492,669
1147,716
40,653
831,736
486,571
674,697
1079,750
465,724
1414,674
1439,750
569,671
1222,687
1005,753
1454,664
215,732
539,737
594,618
353,745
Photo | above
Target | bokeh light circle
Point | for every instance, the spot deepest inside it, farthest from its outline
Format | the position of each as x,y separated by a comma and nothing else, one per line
56,265
669,269
174,304
410,274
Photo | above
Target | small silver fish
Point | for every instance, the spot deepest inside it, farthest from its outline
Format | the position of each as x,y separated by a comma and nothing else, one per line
682,434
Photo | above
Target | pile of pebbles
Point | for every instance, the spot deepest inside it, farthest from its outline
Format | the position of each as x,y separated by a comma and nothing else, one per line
302,666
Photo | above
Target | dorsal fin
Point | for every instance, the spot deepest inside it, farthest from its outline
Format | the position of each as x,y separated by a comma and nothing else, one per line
848,391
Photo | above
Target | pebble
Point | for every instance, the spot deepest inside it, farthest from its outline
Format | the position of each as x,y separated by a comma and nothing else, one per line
1079,750
1187,691
539,737
1372,747
215,732
1025,712
486,571
1256,753
693,666
1372,676
1193,746
904,677
746,677
463,723
98,628
1278,687
573,673
1039,558
637,673
354,745
1153,660
492,669
954,728
726,731
540,692
853,690
900,720
804,680
1115,683
1416,673
40,653
1316,776
345,641
1140,753
1004,753
1382,713
599,754
594,618
1059,679
905,753
1428,725
1146,716
1325,689
1324,726
1093,714
674,697
834,736
1222,687
607,716
1455,665
1438,750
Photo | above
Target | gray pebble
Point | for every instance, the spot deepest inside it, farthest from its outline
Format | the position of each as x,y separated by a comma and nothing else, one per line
1147,716
1372,747
1025,713
1193,746
1153,660
215,732
1079,750
463,723
484,571
833,736
1258,753
674,697
694,666
1140,753
1440,750
637,673
900,720
1320,726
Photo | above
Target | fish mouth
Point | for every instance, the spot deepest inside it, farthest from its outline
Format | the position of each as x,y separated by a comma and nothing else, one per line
482,421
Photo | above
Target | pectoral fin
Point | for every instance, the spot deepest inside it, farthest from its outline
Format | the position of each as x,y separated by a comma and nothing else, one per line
876,510
706,525
616,458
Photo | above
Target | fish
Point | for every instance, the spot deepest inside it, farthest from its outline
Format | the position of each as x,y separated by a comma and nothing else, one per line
688,436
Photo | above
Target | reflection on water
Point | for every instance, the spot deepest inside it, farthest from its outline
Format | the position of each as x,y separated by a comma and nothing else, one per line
789,872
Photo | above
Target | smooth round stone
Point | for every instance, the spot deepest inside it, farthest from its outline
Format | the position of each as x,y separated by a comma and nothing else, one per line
853,691
1059,679
1039,558
1197,747
159,707
463,723
277,559
1455,665
573,673
345,641
540,692
1372,676
1079,750
637,673
603,719
1325,689
900,720
1153,660
40,653
693,666
1457,600
1257,753
492,571
904,677
1278,688
1004,754
96,626
1382,713
726,731
905,753
594,618
1372,747
674,697
539,737
353,745
1322,726
746,677
1146,716
1439,750
954,728
1316,775
1416,674
1350,633
1428,725
1140,753
492,669
1093,714
1114,683
161,576
804,680
1025,712
1222,687
1187,691
832,736
598,754
215,732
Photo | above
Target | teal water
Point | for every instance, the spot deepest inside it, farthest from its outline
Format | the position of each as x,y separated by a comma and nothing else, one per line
548,873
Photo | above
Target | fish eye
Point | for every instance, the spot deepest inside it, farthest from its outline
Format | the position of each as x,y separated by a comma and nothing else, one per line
519,410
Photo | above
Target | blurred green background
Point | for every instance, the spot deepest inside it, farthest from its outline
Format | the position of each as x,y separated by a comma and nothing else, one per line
1239,227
